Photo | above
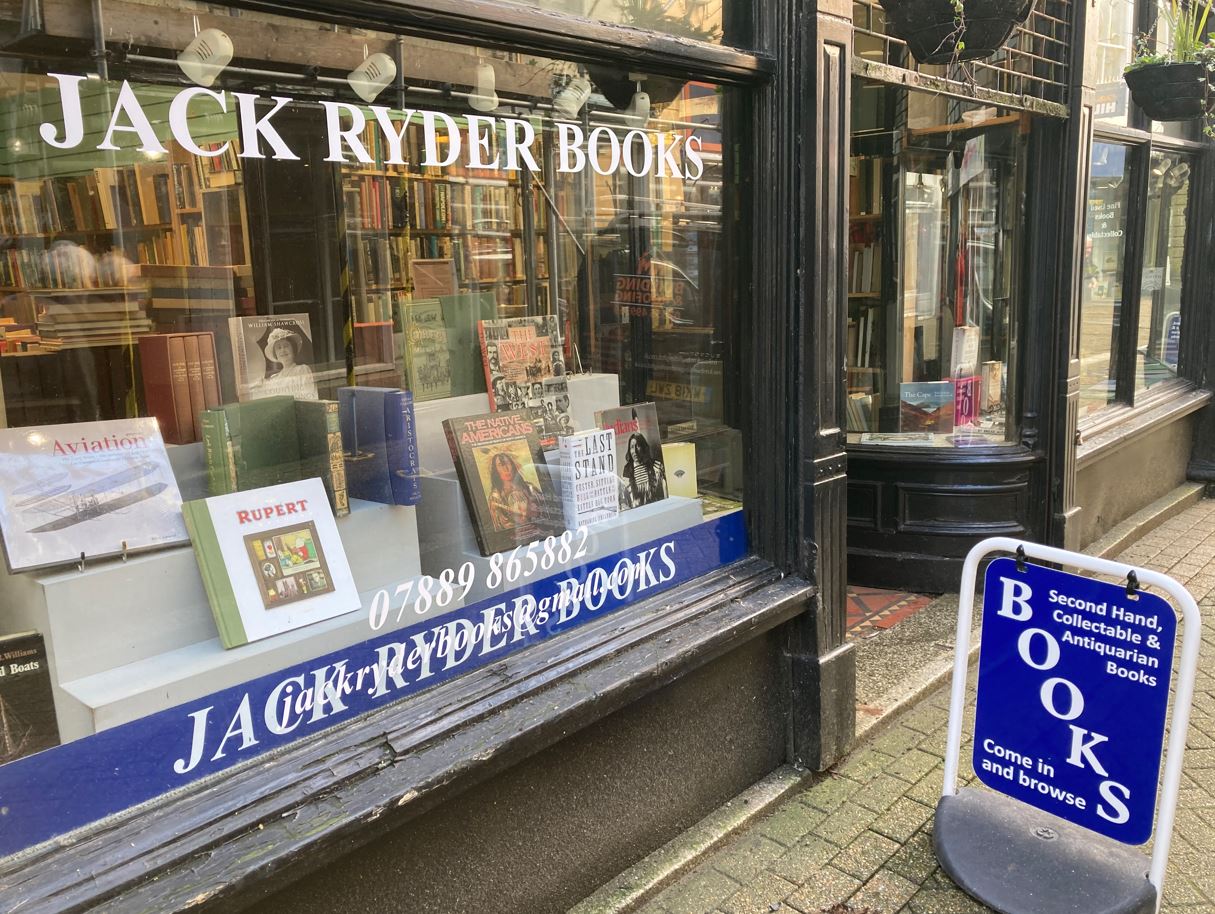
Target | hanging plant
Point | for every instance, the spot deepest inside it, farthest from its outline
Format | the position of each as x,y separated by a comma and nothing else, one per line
1173,83
950,31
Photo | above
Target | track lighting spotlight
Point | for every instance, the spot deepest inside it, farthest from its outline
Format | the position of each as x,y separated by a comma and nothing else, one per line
569,98
204,58
372,76
484,96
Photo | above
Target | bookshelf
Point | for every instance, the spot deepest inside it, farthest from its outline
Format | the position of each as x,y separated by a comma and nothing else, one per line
867,293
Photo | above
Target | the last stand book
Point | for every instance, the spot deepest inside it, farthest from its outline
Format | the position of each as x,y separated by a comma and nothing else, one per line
506,483
27,705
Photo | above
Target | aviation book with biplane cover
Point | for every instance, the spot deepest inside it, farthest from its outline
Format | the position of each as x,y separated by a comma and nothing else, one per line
95,489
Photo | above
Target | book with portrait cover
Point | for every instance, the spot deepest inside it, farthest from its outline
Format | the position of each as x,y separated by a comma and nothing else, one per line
272,356
271,560
426,357
639,465
91,488
27,704
588,477
525,369
507,487
926,406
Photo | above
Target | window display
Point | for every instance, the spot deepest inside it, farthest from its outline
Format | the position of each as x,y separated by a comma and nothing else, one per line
437,345
1159,338
934,260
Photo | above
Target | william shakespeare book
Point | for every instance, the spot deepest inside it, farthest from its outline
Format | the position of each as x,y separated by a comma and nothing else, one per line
89,488
505,480
27,704
588,477
426,356
272,356
525,369
926,406
642,475
271,560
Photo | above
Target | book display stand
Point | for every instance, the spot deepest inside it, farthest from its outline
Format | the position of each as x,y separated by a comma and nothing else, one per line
129,638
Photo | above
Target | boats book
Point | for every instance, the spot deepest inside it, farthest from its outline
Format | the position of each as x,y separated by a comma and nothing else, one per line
588,477
27,704
271,560
89,488
639,462
506,482
380,444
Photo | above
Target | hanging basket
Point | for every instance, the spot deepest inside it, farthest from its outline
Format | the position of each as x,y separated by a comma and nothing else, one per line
1169,91
932,35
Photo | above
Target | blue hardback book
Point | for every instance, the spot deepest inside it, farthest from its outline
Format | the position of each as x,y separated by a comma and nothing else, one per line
380,443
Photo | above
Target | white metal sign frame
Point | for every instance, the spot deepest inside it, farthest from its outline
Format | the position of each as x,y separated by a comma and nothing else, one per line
1183,697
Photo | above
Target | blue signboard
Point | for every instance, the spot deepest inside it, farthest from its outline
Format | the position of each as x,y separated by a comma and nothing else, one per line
52,792
1073,688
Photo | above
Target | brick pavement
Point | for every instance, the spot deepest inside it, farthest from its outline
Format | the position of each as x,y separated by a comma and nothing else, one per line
861,837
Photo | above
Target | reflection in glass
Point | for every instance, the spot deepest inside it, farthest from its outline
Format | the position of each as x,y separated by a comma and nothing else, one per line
1160,286
1101,288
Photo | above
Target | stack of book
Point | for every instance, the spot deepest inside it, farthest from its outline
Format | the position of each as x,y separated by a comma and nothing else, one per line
97,317
22,339
191,288
275,440
180,380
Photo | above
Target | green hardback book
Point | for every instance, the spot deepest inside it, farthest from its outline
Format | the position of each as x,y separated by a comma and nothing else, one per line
426,350
461,314
268,452
320,449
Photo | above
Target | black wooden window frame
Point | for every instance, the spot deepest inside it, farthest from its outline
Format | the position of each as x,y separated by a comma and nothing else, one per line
1140,142
236,836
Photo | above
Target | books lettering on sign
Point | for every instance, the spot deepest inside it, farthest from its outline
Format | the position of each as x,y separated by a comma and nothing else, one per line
272,356
180,380
27,704
271,560
89,488
642,475
275,440
588,477
506,483
426,356
926,406
525,369
380,445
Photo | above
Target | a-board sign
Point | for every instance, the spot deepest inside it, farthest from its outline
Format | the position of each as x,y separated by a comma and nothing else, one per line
1073,688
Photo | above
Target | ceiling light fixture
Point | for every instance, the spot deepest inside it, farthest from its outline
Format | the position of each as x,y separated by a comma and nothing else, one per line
372,76
569,98
204,58
484,96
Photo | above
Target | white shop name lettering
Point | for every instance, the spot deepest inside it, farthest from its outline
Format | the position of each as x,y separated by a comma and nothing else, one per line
314,696
445,142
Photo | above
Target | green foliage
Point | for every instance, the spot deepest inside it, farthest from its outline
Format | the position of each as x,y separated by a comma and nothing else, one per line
652,15
1187,42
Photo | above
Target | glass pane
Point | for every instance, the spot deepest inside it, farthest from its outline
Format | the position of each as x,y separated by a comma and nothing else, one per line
702,20
1163,253
450,336
934,245
1101,290
1114,24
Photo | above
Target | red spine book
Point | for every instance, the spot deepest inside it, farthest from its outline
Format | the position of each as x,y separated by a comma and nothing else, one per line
161,385
210,370
194,378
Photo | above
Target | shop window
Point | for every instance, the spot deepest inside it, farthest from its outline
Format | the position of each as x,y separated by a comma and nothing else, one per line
1101,292
1131,319
934,254
1115,25
438,346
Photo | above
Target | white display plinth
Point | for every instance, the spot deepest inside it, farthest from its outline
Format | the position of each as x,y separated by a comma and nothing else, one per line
127,639
448,540
588,393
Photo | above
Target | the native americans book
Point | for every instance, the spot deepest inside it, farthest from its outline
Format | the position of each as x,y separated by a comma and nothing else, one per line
506,483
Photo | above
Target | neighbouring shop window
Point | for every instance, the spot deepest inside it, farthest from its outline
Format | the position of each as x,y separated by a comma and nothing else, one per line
1114,24
1159,335
1131,320
1101,291
934,255
335,364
